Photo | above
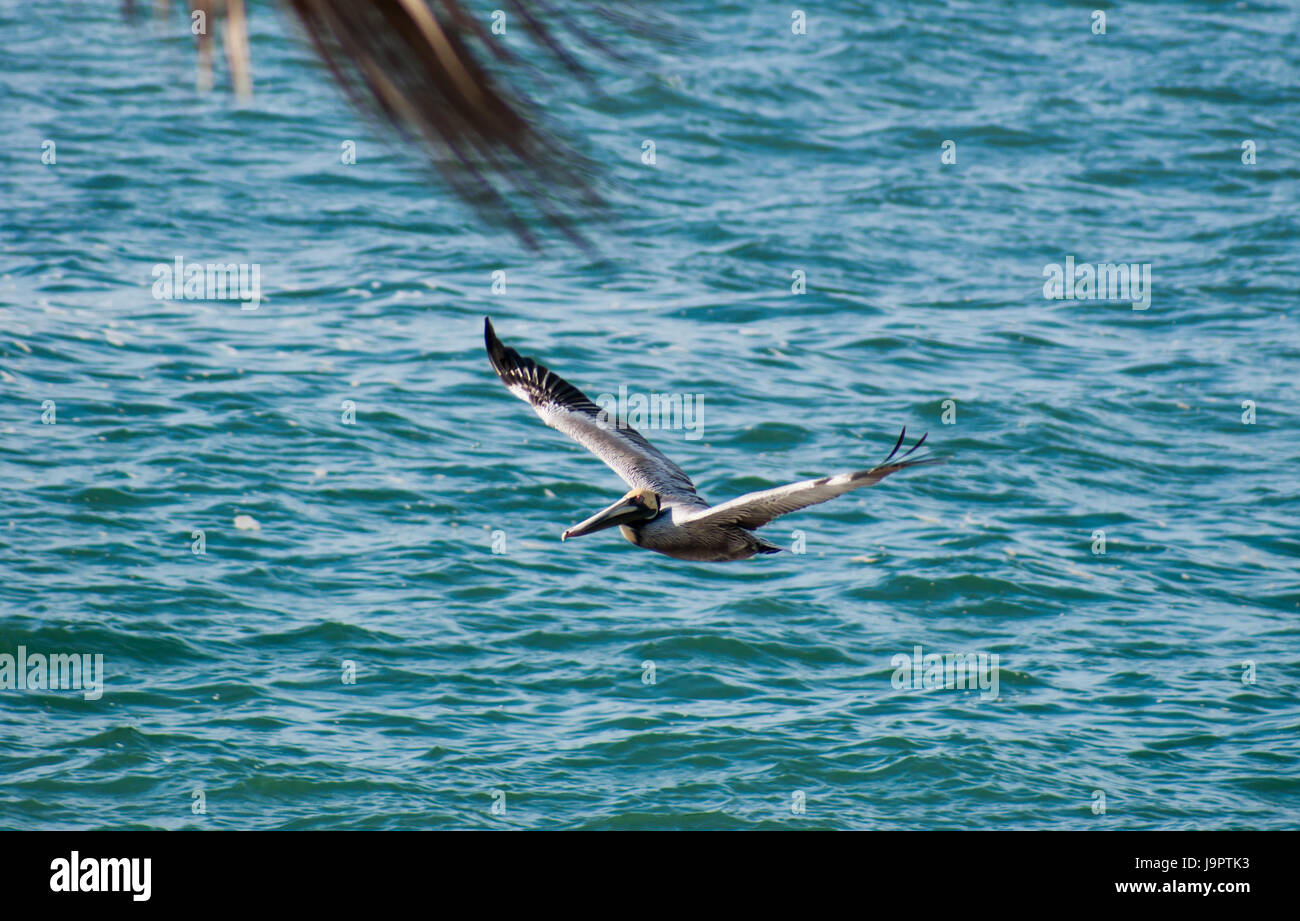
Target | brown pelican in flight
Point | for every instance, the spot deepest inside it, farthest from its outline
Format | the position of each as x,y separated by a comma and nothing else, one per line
663,512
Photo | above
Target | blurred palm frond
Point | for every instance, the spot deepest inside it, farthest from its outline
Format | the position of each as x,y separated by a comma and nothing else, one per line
419,66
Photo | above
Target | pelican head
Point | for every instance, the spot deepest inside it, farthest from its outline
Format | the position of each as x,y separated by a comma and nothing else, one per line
638,506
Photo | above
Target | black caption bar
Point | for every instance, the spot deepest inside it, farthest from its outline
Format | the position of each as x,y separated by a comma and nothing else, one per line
138,871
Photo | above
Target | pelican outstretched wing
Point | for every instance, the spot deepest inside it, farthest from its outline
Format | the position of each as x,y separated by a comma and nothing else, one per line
756,509
566,409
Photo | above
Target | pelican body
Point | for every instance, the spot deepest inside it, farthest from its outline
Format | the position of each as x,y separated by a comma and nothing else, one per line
662,511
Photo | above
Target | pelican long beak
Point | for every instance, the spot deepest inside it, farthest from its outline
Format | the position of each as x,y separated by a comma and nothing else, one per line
624,511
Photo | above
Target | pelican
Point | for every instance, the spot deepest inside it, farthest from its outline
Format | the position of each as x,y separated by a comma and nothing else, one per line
662,511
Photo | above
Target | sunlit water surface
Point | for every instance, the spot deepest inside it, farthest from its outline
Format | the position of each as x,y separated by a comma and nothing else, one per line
595,685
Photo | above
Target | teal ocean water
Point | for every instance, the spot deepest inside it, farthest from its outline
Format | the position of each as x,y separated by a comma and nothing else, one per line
369,493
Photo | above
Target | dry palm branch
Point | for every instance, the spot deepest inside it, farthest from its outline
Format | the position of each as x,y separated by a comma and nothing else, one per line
421,66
